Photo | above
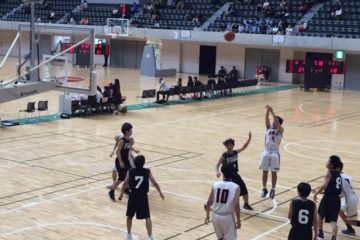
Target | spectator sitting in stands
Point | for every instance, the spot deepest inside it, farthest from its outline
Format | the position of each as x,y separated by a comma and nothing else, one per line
72,20
332,12
338,13
282,4
289,29
156,24
241,28
134,9
84,20
83,5
304,7
46,5
115,13
302,27
222,72
188,17
266,5
163,90
52,16
231,10
155,15
196,20
235,27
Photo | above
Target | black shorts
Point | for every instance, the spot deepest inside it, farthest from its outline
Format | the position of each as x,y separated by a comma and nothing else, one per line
329,208
238,180
120,171
300,233
139,204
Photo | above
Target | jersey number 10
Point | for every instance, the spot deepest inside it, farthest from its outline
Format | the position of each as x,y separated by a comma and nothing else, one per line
222,195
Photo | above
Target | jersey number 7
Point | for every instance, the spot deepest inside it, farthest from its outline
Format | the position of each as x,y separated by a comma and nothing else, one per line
139,180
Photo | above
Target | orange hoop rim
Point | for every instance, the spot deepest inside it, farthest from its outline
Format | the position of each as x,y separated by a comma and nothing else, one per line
71,79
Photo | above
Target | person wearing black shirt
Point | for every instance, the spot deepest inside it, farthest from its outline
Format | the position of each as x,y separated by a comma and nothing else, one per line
222,72
122,162
330,204
302,214
231,157
138,181
234,74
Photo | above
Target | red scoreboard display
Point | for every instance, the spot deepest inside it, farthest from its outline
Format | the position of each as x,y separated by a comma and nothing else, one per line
316,66
100,49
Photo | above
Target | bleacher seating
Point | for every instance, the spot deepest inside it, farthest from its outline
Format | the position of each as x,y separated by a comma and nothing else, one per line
322,24
346,26
97,13
60,8
7,6
172,18
250,12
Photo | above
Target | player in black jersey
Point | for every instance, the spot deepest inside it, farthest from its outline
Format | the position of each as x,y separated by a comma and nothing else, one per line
122,163
330,204
302,213
231,157
138,181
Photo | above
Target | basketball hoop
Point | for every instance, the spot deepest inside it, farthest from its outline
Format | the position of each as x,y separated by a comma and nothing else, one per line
117,27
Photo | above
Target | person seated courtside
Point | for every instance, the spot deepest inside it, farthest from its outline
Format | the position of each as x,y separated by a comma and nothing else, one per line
163,90
178,89
198,88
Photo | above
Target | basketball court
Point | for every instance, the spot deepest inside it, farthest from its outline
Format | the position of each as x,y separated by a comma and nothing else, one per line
54,174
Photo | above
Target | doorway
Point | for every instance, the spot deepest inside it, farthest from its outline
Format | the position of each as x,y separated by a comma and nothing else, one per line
207,63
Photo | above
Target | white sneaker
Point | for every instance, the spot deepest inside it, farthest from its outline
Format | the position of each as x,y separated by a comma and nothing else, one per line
109,186
129,236
150,238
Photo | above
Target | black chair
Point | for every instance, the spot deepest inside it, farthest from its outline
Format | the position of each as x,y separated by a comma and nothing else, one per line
147,94
30,108
42,106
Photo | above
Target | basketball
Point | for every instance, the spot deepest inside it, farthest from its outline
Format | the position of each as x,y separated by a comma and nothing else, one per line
229,36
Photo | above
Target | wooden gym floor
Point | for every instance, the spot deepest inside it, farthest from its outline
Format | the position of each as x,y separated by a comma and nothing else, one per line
54,174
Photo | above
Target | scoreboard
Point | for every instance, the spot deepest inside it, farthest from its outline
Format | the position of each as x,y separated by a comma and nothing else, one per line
100,49
316,66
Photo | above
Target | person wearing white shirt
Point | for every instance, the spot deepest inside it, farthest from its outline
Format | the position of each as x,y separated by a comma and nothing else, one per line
348,211
163,90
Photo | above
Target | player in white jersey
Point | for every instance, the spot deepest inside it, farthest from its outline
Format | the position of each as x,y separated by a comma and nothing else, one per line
348,211
270,158
224,202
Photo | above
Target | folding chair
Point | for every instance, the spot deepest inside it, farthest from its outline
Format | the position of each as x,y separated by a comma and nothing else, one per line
143,96
30,108
42,106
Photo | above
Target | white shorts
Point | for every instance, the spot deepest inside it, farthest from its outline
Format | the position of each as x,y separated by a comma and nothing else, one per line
270,160
349,207
224,226
114,168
